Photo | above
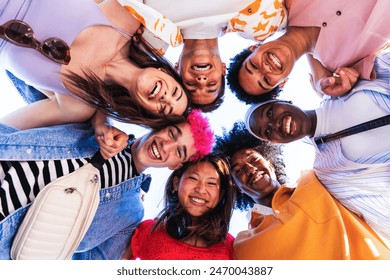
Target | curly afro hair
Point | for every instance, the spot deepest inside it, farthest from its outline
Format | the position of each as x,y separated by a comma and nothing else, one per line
239,138
235,87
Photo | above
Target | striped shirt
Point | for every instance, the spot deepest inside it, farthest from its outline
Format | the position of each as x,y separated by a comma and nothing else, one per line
21,181
362,185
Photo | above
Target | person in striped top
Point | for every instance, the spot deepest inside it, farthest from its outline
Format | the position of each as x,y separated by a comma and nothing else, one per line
355,169
30,159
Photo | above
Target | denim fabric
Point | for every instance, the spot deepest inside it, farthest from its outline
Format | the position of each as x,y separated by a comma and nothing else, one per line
120,209
55,142
29,93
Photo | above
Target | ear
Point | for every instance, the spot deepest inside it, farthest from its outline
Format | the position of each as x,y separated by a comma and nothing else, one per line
223,64
177,66
176,166
281,85
175,184
253,47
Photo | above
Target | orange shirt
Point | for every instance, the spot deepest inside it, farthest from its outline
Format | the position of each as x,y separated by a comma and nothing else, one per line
308,223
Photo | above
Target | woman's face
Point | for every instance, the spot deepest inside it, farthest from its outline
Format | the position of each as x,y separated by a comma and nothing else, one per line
279,122
199,189
159,93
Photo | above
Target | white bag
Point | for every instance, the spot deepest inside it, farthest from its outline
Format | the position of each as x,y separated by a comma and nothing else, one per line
59,217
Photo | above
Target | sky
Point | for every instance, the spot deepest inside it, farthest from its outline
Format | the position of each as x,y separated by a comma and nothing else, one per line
298,155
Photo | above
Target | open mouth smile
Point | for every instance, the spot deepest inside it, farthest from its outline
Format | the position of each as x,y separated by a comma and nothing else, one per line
198,200
155,151
204,67
255,177
275,61
288,126
155,91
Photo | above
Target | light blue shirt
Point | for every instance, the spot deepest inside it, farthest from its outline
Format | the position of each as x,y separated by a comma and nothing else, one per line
363,186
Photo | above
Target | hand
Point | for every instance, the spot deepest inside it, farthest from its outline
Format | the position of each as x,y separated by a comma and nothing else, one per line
138,35
110,139
342,82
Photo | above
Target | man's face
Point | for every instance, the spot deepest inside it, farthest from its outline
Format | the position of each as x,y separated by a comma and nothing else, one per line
253,174
169,147
279,122
202,72
268,66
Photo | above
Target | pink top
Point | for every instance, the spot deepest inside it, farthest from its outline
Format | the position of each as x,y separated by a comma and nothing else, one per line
352,32
158,245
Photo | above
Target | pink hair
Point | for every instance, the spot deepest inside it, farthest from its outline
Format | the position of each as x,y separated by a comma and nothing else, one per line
201,132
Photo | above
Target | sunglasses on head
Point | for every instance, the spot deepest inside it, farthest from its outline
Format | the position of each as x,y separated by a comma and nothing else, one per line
21,34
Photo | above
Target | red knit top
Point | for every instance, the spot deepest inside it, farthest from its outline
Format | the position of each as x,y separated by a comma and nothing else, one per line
158,245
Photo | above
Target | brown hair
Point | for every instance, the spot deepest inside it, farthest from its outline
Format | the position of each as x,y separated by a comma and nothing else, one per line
115,100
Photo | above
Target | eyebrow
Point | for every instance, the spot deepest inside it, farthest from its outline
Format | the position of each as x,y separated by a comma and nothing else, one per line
212,90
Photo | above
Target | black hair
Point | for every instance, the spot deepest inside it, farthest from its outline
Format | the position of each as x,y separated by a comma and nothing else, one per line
236,88
239,138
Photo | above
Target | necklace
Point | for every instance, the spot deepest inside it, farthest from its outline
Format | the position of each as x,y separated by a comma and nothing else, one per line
111,61
116,60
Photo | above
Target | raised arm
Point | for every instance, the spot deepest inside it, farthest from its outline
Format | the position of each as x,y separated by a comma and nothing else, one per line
57,109
110,139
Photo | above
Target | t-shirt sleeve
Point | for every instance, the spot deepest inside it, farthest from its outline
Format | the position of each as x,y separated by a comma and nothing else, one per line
229,244
139,237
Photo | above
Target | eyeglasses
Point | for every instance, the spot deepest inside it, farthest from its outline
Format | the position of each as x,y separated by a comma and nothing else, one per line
21,34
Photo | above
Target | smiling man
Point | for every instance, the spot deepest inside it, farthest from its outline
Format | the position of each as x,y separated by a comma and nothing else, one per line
30,159
301,222
201,23
338,38
355,168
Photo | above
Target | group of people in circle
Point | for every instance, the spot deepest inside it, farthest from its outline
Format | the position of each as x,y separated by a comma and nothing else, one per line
101,62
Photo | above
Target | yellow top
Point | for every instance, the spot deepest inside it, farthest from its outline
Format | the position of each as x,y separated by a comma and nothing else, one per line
308,223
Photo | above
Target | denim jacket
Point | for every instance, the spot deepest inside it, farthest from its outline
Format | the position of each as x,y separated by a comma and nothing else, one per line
120,209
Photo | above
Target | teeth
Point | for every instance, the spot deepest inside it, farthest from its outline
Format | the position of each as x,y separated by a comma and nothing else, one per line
155,151
197,200
155,90
258,177
276,61
287,124
201,68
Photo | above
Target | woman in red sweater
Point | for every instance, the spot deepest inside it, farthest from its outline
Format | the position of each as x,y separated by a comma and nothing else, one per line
194,224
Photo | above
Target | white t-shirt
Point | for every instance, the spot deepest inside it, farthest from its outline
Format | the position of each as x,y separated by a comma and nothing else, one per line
339,113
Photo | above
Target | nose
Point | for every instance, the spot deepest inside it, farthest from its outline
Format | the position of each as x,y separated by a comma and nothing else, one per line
249,169
169,146
201,187
166,98
201,80
267,67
